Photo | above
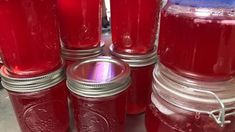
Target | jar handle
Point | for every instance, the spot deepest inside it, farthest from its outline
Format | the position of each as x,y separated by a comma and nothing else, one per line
219,115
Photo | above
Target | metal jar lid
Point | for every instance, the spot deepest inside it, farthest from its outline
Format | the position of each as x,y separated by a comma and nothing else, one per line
98,77
14,83
74,55
213,98
137,60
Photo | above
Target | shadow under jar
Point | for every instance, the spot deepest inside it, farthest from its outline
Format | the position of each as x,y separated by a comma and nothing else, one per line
29,39
98,91
134,25
141,75
80,23
197,38
40,103
72,56
180,104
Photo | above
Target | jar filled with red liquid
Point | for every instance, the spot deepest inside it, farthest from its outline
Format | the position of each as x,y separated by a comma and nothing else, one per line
141,75
70,56
29,39
98,91
181,104
80,23
40,103
134,25
197,38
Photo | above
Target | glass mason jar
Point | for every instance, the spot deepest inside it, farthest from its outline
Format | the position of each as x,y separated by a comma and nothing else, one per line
181,104
98,94
71,56
141,75
29,40
80,23
39,101
197,38
134,25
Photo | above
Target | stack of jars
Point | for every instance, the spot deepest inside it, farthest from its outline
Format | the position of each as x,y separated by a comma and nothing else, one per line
80,29
193,87
134,26
33,72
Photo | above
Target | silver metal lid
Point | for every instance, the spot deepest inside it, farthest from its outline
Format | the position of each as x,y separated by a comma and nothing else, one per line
98,77
213,98
15,83
74,55
137,60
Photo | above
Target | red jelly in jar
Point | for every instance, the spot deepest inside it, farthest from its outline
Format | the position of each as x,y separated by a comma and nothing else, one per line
98,90
29,39
40,103
70,56
141,75
80,23
134,25
197,39
180,104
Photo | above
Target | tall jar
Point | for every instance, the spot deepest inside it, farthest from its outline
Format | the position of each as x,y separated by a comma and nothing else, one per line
197,38
98,91
134,25
40,103
29,39
72,56
141,75
80,23
180,104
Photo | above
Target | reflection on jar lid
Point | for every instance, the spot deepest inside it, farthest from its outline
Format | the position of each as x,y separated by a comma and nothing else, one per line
98,77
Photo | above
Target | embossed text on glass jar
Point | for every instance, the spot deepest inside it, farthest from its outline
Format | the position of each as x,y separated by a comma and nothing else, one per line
98,94
40,103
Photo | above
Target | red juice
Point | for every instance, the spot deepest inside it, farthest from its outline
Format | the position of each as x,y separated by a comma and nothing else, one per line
80,23
140,89
29,39
45,110
99,114
197,42
182,121
134,25
98,90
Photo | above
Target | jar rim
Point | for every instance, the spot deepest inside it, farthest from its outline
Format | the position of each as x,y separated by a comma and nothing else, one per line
194,95
31,84
137,60
193,90
86,86
78,54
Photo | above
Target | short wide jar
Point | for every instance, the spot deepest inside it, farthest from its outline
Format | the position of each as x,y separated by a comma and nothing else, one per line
40,103
180,104
98,91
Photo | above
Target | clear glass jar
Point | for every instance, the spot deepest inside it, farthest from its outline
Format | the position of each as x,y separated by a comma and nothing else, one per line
180,104
29,39
39,102
98,91
134,25
71,56
197,38
80,23
141,75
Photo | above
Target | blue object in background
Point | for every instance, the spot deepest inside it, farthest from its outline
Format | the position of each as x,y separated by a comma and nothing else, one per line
206,3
